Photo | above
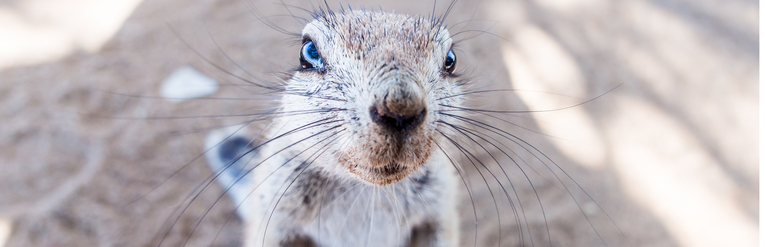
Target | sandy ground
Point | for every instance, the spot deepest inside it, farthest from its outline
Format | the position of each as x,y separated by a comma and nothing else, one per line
670,155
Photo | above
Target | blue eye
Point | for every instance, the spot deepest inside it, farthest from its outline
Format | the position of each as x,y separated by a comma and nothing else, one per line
309,56
450,62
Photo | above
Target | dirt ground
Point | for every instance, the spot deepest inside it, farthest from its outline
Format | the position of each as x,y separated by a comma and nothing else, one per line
668,158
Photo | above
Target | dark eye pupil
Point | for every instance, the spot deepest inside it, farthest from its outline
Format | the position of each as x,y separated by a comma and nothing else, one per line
450,62
312,52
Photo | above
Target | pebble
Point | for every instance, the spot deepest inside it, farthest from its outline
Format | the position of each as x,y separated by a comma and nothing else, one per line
187,83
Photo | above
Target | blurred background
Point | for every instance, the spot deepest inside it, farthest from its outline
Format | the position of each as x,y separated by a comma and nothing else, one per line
93,155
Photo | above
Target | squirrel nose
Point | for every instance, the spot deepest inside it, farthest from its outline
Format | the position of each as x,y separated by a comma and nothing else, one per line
397,121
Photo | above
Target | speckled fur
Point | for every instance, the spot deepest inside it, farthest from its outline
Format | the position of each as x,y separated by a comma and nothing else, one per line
346,181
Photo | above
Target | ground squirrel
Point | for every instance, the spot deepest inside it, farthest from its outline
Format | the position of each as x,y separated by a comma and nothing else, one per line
353,159
365,146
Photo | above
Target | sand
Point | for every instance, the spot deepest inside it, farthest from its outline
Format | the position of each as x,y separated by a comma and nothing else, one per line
666,153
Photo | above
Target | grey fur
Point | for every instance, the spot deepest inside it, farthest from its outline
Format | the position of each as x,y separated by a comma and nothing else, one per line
335,178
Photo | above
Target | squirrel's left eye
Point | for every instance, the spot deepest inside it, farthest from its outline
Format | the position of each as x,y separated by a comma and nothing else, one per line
450,62
309,56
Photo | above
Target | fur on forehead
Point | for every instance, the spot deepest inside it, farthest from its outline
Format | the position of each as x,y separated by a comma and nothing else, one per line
360,34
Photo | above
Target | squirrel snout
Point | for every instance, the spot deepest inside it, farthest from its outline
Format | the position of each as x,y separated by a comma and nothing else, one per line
398,119
399,106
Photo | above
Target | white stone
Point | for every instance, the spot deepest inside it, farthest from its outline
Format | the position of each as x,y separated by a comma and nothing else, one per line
187,83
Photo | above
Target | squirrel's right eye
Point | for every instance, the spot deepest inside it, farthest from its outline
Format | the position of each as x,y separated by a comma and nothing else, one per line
450,62
309,56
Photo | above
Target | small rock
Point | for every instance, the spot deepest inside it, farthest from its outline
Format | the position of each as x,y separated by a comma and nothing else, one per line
187,83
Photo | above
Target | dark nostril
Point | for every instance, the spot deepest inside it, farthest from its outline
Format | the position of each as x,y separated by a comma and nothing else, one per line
397,122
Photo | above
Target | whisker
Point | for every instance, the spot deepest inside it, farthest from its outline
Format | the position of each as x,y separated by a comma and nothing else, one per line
479,33
470,194
208,61
468,155
530,111
310,125
253,168
522,171
266,178
127,95
186,165
300,20
288,186
209,128
503,90
509,180
508,148
523,144
372,217
258,114
213,177
220,49
254,11
417,191
345,220
511,123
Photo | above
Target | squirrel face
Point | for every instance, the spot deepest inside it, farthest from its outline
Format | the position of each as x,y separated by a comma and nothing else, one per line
388,74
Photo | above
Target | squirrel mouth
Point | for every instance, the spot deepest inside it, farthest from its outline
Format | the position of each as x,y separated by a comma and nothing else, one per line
381,156
383,175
